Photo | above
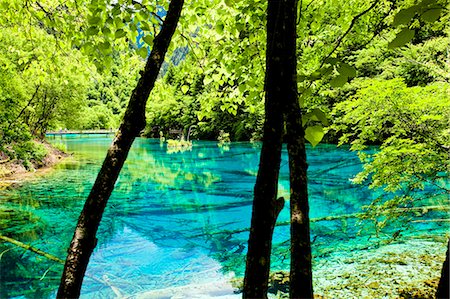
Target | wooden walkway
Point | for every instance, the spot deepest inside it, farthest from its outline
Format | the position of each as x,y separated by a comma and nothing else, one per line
79,132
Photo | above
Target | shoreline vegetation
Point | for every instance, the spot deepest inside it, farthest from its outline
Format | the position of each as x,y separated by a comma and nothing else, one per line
14,171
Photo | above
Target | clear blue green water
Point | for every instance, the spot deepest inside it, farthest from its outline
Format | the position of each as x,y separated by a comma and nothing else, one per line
173,218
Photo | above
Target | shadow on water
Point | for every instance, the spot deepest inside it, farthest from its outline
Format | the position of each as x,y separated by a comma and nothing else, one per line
173,219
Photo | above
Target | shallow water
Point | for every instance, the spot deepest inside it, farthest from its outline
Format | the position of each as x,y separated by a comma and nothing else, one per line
174,218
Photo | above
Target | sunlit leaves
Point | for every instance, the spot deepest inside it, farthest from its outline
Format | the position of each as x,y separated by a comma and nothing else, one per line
219,28
148,39
143,52
92,31
94,20
411,126
184,89
119,33
314,134
45,73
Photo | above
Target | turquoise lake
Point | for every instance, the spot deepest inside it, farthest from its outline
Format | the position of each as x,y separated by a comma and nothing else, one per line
175,218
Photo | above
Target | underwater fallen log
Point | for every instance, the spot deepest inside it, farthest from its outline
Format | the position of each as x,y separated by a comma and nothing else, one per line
32,249
431,220
423,210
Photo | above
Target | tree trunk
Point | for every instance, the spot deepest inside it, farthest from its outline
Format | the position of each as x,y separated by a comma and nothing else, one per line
300,284
443,288
278,87
84,239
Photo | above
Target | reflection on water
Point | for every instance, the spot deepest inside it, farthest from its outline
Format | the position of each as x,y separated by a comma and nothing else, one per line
173,219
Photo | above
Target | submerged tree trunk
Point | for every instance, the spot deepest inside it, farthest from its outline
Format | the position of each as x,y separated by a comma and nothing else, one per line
443,288
278,88
84,239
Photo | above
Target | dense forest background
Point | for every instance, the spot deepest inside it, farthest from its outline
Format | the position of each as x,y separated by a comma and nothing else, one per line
214,78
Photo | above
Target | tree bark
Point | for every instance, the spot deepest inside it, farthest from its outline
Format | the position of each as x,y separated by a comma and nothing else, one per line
84,239
443,287
278,87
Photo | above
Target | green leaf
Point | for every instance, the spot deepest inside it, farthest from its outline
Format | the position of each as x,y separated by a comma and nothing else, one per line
118,22
184,89
404,16
148,39
94,20
133,27
143,15
301,78
106,31
303,95
120,33
216,77
229,3
145,26
219,28
92,30
305,119
339,81
402,38
242,88
143,52
127,18
104,45
207,80
314,134
320,73
155,21
321,116
116,10
332,60
109,21
347,70
431,15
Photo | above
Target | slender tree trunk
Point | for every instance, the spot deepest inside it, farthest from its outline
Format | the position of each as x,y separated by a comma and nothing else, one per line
278,88
84,239
443,288
300,283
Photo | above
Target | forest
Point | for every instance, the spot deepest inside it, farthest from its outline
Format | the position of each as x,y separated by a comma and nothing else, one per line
284,79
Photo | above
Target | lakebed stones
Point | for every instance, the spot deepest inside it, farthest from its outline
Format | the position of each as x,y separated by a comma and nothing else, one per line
403,270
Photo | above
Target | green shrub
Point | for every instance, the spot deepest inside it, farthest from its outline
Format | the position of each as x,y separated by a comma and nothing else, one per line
29,151
61,147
